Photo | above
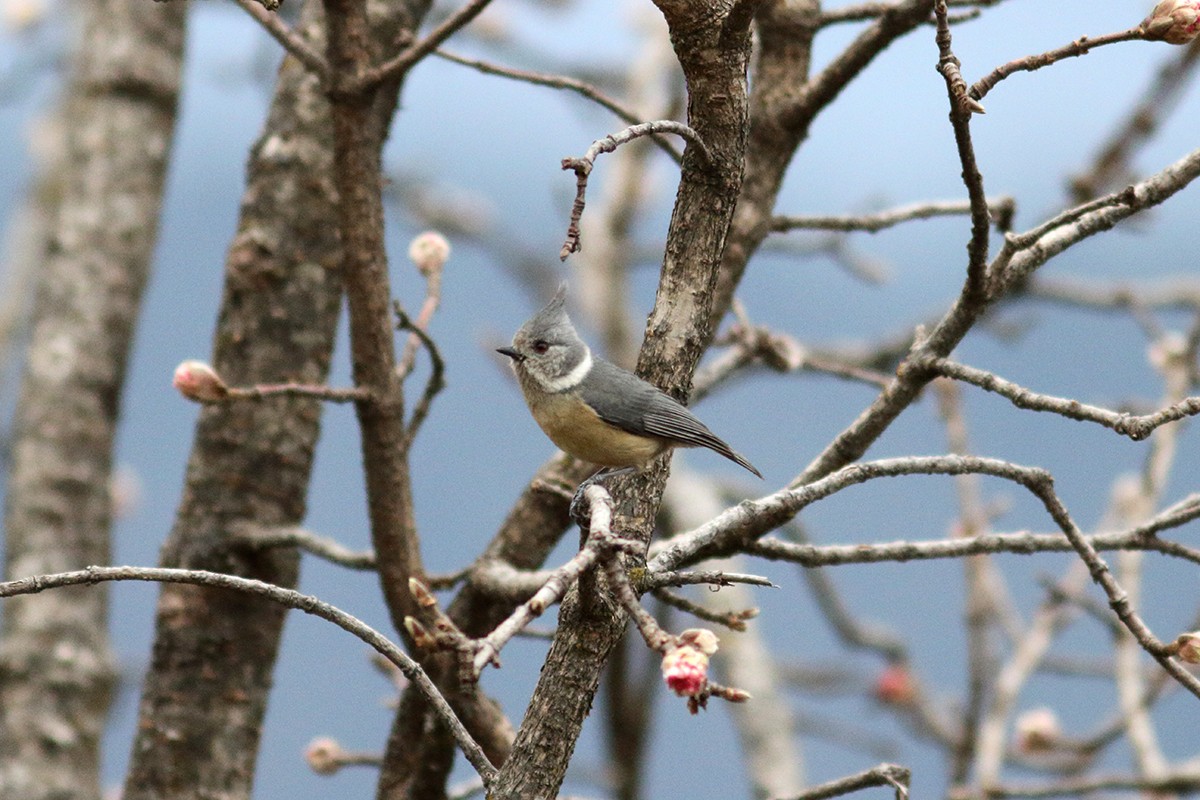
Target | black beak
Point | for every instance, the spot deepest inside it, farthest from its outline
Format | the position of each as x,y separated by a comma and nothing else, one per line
513,354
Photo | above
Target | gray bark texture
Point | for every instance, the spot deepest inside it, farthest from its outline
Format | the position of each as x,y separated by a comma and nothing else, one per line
206,692
56,666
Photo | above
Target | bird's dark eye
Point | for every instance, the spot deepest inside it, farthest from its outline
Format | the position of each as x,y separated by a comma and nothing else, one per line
541,346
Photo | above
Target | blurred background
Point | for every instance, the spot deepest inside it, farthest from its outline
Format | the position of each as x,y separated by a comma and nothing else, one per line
485,151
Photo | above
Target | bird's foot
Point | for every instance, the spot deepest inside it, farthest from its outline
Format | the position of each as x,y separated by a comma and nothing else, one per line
579,510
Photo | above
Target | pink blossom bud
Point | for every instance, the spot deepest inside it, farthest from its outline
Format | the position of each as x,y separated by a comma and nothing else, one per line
429,251
895,686
1173,21
324,756
1187,647
702,639
685,670
197,381
1037,731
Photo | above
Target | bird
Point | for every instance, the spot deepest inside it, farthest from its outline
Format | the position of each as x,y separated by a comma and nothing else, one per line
595,410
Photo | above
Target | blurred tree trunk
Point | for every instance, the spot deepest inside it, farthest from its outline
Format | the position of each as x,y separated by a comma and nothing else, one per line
206,691
56,666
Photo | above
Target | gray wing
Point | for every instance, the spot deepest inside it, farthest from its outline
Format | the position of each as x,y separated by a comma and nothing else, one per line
631,404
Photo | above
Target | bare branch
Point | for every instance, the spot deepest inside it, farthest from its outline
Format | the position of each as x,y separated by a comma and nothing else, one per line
1001,210
710,577
321,546
1136,427
1111,165
284,597
892,775
1080,47
962,106
583,166
734,620
579,87
437,380
600,527
1184,782
267,390
400,63
262,13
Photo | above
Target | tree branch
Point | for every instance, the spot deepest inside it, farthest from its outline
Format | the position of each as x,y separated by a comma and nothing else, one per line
892,775
1136,427
582,166
1080,47
288,598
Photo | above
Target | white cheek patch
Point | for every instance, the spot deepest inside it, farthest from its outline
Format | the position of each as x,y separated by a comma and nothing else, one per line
572,378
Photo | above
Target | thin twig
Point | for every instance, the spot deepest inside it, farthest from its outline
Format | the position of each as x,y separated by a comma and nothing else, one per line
600,527
285,35
582,166
737,528
437,379
734,620
1001,209
267,390
414,52
581,88
321,546
962,106
710,577
1111,165
1180,783
1136,427
284,597
892,775
1080,47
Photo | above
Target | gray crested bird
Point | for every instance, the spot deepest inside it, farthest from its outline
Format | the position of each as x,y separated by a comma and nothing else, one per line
594,410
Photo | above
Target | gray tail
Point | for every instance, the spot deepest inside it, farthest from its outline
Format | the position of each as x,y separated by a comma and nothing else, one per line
736,458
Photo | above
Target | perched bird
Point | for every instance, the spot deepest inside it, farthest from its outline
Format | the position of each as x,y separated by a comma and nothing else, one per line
595,410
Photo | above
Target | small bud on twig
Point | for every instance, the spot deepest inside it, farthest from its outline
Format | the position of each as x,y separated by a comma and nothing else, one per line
429,251
1187,647
197,381
421,637
421,593
895,687
1037,731
324,755
1173,21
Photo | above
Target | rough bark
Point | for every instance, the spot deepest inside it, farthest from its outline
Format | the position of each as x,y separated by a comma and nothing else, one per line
206,692
56,666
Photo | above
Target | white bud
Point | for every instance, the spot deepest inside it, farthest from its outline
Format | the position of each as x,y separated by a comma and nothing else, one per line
429,251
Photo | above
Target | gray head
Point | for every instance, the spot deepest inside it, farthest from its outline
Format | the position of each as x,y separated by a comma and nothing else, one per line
547,351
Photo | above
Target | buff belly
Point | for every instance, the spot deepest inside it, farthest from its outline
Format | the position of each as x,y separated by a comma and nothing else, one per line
578,430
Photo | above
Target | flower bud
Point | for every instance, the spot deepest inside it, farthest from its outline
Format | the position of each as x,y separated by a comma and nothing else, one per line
895,687
421,637
1037,731
702,639
685,670
197,381
421,593
429,251
1187,647
1173,21
324,756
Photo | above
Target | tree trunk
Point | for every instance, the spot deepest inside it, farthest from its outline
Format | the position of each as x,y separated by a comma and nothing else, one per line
56,666
206,692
